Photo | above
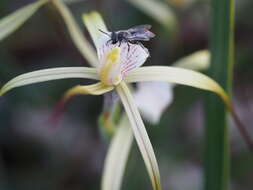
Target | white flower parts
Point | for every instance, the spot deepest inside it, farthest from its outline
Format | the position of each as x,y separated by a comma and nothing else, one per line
116,60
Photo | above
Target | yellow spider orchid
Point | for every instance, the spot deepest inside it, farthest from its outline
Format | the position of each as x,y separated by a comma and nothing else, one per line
115,67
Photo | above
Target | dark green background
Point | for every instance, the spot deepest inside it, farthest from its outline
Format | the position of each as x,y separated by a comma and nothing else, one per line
35,155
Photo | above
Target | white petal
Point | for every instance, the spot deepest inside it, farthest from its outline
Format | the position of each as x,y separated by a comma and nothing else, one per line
132,56
152,98
102,46
95,25
129,57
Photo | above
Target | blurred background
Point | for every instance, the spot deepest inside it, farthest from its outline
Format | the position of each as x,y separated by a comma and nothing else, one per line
34,155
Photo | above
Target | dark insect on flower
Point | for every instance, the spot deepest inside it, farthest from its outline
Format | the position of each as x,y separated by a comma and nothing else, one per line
132,35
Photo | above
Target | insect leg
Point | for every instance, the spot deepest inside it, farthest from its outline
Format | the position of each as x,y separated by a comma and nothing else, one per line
119,43
104,32
140,44
108,42
132,42
128,46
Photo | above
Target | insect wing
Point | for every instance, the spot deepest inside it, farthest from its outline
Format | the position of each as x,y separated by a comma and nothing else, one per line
140,32
143,36
139,28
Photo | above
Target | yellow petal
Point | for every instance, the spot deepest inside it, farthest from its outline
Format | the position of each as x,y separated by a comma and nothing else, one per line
13,21
94,89
76,34
140,135
188,78
118,153
48,75
178,76
110,71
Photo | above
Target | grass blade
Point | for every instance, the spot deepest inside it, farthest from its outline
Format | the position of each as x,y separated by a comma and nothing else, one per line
222,47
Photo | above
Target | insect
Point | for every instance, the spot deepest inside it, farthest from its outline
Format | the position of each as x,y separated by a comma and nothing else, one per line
131,36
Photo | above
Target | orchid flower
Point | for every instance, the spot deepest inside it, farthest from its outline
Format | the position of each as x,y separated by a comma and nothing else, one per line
146,97
116,67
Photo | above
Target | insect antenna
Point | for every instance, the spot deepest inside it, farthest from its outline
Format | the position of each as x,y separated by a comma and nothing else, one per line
104,32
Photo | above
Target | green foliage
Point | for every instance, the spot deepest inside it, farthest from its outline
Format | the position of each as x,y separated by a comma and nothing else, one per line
221,45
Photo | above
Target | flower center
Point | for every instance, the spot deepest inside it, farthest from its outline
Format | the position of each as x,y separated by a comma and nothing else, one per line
110,71
117,60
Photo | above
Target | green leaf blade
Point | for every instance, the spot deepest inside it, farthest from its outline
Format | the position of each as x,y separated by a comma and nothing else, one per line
222,47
